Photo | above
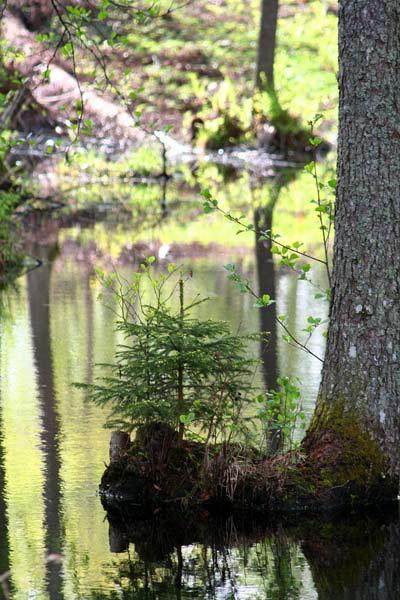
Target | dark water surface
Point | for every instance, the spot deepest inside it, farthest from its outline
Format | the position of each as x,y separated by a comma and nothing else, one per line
56,541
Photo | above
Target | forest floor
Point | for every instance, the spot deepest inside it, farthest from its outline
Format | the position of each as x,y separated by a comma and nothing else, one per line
197,61
200,61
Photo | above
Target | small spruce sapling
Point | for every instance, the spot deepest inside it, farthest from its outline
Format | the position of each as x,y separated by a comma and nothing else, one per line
172,367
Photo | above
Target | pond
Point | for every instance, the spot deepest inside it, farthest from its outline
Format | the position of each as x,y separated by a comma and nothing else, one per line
56,539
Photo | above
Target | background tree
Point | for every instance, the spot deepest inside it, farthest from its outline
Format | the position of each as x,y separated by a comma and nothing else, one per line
266,44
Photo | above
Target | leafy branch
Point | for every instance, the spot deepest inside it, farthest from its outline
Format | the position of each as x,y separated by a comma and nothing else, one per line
264,301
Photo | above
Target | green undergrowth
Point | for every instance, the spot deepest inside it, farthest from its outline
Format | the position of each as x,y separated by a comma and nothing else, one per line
175,68
11,258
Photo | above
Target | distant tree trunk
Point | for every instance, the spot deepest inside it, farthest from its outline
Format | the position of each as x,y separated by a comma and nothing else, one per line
361,373
266,285
266,44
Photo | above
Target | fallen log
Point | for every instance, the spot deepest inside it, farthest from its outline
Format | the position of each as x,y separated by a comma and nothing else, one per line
60,91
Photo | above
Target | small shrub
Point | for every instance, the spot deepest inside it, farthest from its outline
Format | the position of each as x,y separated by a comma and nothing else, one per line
226,118
173,368
281,415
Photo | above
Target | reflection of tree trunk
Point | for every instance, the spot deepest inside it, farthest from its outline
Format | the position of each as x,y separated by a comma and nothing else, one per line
117,539
179,572
89,324
266,285
4,550
39,305
284,578
359,561
351,556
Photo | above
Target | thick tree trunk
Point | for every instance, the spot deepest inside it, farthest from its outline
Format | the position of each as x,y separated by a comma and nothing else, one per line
361,374
266,44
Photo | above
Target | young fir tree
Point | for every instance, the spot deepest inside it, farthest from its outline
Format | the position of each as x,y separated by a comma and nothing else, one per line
172,367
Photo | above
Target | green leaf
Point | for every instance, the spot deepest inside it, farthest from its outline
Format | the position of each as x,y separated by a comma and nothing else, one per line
206,194
171,267
309,168
315,141
187,419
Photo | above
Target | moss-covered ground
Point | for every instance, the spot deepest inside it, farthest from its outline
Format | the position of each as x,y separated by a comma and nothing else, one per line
342,466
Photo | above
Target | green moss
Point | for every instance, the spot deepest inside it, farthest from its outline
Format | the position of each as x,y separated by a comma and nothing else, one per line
346,458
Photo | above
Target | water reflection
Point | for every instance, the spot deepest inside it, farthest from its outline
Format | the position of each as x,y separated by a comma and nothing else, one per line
23,464
264,206
4,549
175,556
39,309
54,536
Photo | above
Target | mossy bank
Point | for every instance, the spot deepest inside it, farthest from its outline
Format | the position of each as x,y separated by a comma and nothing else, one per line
342,467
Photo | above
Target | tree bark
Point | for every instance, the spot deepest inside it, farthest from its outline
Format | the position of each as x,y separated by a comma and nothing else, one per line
266,44
361,375
118,444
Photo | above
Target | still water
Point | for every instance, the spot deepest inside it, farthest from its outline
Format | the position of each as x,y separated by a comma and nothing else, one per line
57,541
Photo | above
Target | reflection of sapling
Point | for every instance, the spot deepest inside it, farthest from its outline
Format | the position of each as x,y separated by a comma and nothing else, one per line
172,367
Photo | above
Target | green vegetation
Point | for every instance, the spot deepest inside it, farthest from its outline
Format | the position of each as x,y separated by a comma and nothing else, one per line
281,413
10,181
214,78
169,64
10,254
173,368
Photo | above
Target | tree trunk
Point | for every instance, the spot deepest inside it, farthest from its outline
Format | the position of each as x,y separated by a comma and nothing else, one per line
266,44
361,375
119,442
